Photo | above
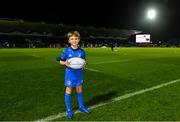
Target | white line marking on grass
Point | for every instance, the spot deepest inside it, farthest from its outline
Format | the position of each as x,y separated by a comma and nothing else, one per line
91,69
60,115
37,56
105,62
109,62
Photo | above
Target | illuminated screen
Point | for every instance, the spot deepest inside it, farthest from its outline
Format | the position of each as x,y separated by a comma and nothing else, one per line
143,38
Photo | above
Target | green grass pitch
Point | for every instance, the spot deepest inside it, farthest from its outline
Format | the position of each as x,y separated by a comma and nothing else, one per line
32,84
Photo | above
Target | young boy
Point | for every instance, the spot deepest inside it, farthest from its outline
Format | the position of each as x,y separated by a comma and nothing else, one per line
73,77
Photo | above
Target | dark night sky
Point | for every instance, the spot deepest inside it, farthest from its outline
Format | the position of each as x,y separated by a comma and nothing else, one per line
123,14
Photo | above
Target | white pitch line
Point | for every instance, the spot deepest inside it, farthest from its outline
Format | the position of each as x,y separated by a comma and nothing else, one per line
37,56
91,69
109,62
60,115
105,62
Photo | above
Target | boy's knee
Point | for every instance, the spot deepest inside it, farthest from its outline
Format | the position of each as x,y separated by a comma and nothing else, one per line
68,90
79,89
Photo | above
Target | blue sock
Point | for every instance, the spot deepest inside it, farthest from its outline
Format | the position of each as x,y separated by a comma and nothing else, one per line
68,101
80,100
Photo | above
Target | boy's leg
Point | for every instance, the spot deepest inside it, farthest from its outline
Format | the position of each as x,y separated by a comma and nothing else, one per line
80,100
68,102
80,96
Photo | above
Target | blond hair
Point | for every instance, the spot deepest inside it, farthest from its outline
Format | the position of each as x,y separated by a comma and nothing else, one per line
73,33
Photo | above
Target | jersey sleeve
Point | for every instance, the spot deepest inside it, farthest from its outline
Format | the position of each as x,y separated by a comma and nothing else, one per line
83,54
63,56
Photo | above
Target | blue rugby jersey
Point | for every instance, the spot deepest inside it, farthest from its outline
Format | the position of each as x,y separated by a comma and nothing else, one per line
68,53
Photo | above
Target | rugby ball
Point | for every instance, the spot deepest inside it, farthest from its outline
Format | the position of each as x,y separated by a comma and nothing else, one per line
76,63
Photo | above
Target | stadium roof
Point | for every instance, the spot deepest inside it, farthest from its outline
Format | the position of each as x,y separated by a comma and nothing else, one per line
41,29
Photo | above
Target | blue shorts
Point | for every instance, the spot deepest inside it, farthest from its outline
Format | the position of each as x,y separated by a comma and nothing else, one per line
73,83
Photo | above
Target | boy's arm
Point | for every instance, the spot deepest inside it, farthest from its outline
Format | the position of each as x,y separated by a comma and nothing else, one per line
63,59
84,57
64,63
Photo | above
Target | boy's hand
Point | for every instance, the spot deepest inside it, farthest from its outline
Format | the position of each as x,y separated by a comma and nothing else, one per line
67,63
84,65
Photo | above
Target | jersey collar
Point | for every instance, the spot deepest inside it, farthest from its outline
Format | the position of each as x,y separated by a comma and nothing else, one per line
74,49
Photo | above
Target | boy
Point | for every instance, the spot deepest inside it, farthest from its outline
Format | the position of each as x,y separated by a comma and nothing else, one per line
73,77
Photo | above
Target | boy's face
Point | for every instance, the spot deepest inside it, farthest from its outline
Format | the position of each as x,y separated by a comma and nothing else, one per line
74,40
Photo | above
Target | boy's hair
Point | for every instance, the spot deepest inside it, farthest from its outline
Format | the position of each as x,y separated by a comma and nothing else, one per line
73,33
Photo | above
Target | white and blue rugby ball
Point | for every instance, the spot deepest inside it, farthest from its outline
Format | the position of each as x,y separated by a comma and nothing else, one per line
76,63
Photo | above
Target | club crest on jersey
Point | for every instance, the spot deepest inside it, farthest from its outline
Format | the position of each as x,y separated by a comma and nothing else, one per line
79,55
69,82
70,55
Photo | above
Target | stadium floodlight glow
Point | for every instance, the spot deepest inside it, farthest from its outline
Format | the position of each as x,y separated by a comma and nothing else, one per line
151,14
